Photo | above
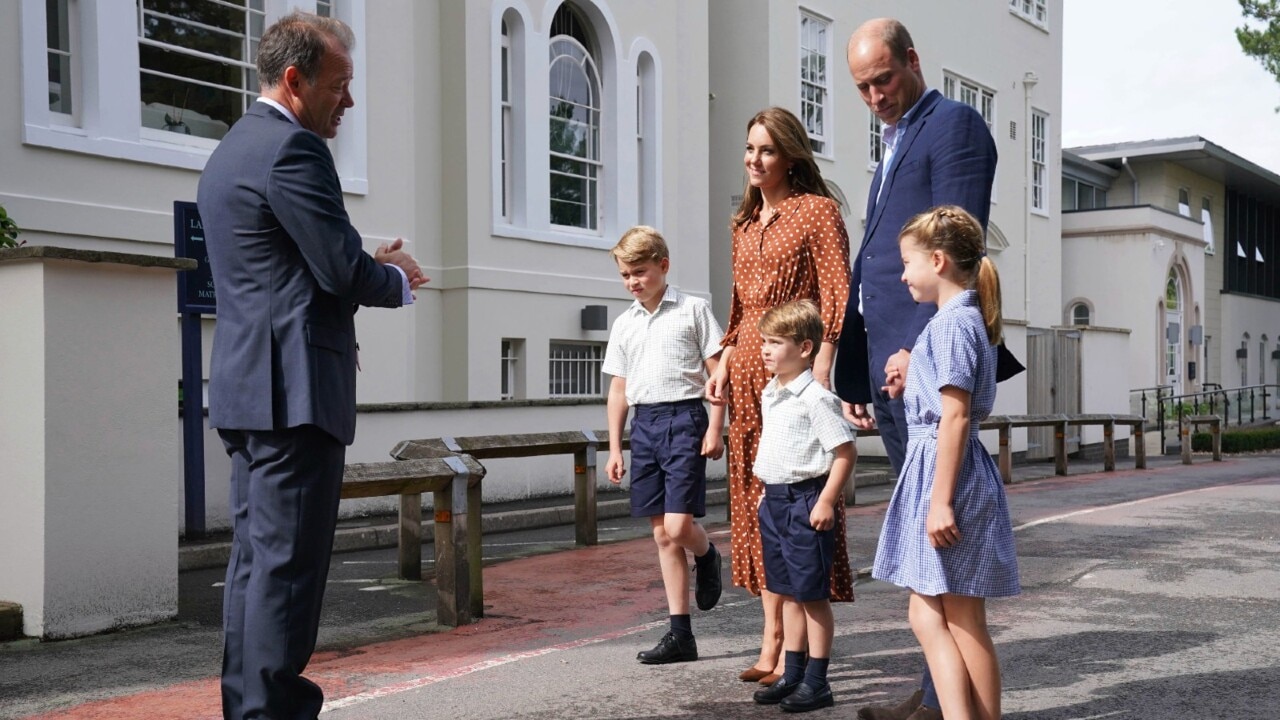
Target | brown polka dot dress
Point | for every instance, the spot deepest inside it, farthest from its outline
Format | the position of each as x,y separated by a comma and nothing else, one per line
801,253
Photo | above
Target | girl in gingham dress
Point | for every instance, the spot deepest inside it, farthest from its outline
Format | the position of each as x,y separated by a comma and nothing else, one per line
947,535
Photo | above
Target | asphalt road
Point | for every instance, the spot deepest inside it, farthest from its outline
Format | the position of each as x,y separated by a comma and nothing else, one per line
1147,594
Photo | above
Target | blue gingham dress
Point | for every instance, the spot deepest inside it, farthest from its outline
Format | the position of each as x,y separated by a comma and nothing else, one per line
952,350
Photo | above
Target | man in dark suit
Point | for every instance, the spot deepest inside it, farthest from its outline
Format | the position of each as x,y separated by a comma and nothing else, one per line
937,152
289,270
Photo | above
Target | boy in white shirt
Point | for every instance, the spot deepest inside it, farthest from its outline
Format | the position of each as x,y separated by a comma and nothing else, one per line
806,452
661,351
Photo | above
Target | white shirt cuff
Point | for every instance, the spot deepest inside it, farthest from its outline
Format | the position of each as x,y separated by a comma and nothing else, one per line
406,295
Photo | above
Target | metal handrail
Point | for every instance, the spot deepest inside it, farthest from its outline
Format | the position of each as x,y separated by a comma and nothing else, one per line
1209,400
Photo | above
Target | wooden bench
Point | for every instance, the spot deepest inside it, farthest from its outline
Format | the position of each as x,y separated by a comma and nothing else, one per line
454,481
583,445
1004,425
1215,432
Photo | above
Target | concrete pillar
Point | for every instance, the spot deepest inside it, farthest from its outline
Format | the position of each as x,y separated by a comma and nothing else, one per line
89,361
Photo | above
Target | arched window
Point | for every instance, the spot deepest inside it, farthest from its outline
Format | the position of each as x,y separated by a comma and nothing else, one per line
1080,314
1173,292
646,140
575,106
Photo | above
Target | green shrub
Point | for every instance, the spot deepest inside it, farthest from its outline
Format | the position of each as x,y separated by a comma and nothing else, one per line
1235,441
8,230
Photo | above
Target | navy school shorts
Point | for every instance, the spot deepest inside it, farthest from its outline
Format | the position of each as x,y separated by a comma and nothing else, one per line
797,558
668,471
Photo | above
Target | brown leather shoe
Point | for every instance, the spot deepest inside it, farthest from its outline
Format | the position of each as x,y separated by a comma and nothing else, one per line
752,674
769,679
904,710
925,713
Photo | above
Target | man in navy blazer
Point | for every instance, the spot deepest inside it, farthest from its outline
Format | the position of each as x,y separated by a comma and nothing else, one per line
937,152
289,271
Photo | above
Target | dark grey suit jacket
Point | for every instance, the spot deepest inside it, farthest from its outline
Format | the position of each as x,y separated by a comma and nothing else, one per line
289,270
945,157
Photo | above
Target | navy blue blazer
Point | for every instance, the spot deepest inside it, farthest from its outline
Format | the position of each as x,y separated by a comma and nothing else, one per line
945,157
289,270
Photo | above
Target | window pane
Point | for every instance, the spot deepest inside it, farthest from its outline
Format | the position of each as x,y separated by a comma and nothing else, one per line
196,63
1068,194
58,34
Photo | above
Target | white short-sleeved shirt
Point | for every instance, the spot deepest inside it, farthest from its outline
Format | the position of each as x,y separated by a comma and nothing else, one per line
662,354
801,428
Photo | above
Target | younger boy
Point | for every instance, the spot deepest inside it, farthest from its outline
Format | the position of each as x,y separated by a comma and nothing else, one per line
661,351
806,452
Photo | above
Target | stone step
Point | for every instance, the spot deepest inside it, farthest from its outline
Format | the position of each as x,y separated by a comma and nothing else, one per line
10,621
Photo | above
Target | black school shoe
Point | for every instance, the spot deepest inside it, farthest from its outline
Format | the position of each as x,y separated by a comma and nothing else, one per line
805,698
708,583
775,693
670,649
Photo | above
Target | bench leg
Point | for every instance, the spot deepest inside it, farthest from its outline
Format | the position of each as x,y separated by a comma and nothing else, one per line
1186,444
1006,454
1109,446
410,536
1139,439
1216,429
1060,448
475,551
453,573
584,495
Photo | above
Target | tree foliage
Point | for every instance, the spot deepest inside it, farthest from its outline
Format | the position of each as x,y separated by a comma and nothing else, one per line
1260,39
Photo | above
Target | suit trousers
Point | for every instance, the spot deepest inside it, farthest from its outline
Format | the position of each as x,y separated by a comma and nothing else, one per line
285,487
891,420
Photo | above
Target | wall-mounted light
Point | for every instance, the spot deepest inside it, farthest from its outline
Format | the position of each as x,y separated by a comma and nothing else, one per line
595,317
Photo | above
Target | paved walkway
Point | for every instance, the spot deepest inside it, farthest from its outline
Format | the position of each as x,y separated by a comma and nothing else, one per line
1149,594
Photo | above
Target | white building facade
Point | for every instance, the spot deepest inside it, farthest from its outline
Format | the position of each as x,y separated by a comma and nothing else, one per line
511,142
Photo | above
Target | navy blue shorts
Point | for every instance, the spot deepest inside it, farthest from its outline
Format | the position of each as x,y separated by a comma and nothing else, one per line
797,558
668,471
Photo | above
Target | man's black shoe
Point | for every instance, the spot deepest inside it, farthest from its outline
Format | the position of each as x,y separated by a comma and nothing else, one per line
670,649
805,698
709,585
774,694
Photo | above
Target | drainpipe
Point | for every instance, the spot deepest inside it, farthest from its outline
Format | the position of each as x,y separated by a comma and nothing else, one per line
1029,80
1124,162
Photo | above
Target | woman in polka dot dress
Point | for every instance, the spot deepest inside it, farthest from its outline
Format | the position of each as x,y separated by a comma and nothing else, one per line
789,243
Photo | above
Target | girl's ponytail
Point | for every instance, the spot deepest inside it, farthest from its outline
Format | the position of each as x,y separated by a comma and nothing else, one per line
988,287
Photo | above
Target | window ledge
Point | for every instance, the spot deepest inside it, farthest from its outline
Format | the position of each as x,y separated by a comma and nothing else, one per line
1041,212
556,237
153,152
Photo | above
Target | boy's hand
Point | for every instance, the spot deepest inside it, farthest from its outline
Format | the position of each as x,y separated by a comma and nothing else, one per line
823,516
613,468
712,445
716,386
941,526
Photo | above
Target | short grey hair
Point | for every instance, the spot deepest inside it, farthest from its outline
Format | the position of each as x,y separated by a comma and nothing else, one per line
299,39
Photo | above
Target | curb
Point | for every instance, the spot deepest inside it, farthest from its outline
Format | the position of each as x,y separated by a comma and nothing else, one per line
203,556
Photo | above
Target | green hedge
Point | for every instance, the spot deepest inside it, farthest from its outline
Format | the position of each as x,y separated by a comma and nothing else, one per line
1234,441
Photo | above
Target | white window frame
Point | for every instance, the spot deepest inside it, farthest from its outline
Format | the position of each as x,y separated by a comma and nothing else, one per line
511,367
593,161
107,91
72,82
974,94
1039,180
616,66
648,140
577,363
815,97
1206,219
1035,12
875,141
